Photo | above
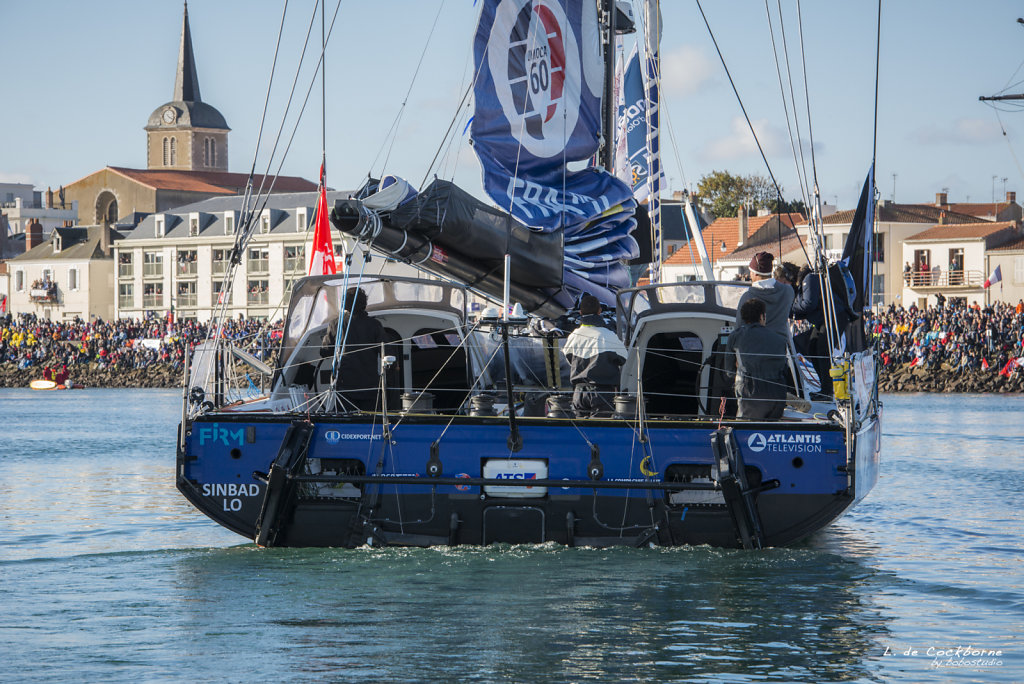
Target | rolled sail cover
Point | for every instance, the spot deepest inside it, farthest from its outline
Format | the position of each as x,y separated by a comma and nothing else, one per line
456,221
538,104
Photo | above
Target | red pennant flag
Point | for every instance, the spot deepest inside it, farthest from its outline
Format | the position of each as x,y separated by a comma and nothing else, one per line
322,260
984,363
3,305
917,360
1008,368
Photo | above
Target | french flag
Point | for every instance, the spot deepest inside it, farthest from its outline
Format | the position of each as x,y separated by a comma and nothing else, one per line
997,276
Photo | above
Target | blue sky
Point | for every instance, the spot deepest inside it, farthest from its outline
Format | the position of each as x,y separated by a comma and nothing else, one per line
82,78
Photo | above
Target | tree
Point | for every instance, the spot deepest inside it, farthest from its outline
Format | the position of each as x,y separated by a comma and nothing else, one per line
723,193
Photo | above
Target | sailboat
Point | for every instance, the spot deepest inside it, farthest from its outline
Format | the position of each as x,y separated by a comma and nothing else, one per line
472,437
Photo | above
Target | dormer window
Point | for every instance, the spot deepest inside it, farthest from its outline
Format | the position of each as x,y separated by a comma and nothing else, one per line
193,226
56,242
265,224
160,226
229,223
301,224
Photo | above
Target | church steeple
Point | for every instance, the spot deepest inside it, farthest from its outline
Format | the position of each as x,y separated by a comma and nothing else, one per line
186,134
186,81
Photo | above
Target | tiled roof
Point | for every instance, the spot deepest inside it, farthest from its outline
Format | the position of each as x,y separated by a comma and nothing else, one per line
904,213
791,242
1012,246
214,182
727,230
979,209
967,231
76,243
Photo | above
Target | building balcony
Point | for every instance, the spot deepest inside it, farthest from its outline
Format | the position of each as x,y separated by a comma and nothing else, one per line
187,269
945,281
152,270
261,298
187,301
43,294
125,270
258,266
152,301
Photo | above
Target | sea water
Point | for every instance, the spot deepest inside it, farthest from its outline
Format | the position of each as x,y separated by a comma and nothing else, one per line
107,574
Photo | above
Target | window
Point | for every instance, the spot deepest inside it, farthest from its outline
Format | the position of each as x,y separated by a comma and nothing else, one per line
217,296
167,152
289,284
187,262
300,220
72,278
174,151
229,224
152,264
193,226
186,294
265,224
160,224
126,295
879,244
206,151
152,295
878,285
124,265
294,258
47,275
19,280
1018,270
213,152
258,292
259,260
221,257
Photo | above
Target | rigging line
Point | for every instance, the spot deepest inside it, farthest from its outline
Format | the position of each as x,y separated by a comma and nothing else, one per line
298,119
785,105
451,125
291,94
807,95
805,189
393,131
878,53
1008,145
736,92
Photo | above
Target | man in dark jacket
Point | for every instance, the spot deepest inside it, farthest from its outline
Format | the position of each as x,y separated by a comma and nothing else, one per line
359,365
595,356
760,364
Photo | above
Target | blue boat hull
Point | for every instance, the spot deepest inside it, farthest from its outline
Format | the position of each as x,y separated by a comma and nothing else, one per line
352,484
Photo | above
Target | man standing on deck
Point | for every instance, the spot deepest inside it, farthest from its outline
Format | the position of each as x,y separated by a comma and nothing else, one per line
777,297
760,364
359,365
595,356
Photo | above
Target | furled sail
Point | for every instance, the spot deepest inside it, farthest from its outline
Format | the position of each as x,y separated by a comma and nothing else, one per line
538,104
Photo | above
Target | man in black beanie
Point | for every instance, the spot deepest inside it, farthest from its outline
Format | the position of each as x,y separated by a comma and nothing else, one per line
359,365
595,356
777,297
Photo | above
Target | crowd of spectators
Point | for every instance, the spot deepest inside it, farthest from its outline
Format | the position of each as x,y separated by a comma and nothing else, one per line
124,344
955,335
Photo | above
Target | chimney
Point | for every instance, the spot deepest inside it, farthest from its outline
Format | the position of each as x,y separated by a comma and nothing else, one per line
105,240
1011,197
33,234
49,198
741,214
941,199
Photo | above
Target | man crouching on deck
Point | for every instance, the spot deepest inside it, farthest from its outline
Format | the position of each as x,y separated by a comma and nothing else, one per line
595,356
760,363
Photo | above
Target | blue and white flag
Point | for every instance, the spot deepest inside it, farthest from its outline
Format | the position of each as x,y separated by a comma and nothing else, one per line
538,107
632,129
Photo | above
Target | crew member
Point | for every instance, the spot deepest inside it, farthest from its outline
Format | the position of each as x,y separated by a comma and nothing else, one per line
760,365
777,297
595,356
359,365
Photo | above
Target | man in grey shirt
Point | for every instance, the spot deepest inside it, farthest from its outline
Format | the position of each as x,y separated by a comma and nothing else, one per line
777,297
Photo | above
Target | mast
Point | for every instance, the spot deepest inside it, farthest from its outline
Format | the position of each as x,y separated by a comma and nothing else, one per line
652,55
610,105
